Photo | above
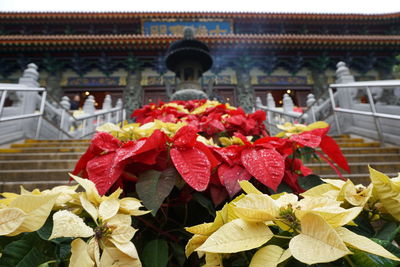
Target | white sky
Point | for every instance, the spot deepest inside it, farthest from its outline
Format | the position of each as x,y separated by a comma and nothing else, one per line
313,6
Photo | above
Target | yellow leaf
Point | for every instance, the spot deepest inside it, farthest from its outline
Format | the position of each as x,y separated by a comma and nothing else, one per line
90,188
108,208
123,233
113,257
89,207
334,182
356,196
207,228
127,248
131,206
193,243
363,243
115,195
108,128
213,260
256,208
285,200
67,224
269,256
334,216
318,125
318,241
237,235
119,219
249,188
37,208
94,251
10,220
319,190
79,254
387,192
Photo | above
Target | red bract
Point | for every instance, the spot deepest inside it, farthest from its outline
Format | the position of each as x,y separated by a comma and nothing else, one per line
230,176
193,160
193,165
331,148
101,143
266,165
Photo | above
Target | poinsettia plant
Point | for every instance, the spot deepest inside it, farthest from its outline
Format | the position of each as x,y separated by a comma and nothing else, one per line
256,229
211,146
63,227
182,156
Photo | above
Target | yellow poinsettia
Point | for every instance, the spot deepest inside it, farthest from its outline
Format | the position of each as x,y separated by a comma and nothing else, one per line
135,131
112,234
356,195
228,141
290,129
387,191
316,235
209,104
25,213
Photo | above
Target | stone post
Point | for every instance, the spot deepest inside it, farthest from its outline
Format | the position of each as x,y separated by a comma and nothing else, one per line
270,101
133,93
245,92
29,100
107,103
65,122
288,104
53,85
311,112
345,96
89,108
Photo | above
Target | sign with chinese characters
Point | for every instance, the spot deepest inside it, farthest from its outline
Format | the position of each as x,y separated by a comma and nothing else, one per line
281,80
176,27
94,81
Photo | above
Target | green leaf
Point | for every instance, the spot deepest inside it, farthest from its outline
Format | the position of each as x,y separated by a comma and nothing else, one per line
45,232
154,186
309,181
205,202
363,227
360,258
388,231
388,246
155,253
179,253
21,253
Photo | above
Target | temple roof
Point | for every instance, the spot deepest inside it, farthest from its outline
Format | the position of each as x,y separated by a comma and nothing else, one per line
33,17
145,42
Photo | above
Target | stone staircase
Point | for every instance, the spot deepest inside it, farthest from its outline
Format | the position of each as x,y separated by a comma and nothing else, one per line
359,154
39,164
45,163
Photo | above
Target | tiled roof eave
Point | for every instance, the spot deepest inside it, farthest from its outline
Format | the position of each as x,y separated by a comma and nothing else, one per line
191,15
163,41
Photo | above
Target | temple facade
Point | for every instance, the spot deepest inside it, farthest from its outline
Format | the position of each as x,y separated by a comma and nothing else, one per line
122,54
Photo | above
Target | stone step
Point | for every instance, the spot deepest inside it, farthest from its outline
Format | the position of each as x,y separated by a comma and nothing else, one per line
38,164
369,150
358,178
349,140
40,156
43,149
54,144
361,145
340,136
357,167
34,175
382,157
15,187
57,141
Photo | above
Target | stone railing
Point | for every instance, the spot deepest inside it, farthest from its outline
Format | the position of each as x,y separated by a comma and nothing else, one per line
370,109
35,114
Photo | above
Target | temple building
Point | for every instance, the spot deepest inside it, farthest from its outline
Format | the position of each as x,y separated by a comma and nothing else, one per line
123,54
